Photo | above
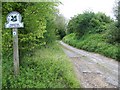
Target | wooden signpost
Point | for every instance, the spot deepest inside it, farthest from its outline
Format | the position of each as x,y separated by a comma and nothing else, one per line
14,21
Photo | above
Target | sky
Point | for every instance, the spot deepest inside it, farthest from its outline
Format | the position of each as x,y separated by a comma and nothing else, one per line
69,8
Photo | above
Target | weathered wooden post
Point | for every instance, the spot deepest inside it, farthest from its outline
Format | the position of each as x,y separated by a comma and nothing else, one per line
15,51
14,21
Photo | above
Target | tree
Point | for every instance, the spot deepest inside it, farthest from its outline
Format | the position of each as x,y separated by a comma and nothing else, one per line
60,23
116,32
88,22
71,25
39,28
117,37
118,24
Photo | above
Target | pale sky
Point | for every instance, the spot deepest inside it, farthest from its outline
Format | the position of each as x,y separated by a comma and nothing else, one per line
74,7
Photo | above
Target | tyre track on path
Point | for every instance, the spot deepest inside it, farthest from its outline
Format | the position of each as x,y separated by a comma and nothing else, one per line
93,70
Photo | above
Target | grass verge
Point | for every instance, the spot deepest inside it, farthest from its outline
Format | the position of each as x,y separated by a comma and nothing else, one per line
93,43
48,68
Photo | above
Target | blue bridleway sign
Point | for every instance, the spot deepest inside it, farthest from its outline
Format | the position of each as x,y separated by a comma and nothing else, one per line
14,20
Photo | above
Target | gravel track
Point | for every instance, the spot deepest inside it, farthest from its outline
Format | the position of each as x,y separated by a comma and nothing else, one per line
93,70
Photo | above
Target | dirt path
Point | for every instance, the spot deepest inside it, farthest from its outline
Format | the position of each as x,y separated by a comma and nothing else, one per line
93,70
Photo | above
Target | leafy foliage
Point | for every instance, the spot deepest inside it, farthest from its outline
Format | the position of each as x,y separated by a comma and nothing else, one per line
93,43
48,68
60,24
117,14
117,38
39,27
94,32
112,33
88,22
42,63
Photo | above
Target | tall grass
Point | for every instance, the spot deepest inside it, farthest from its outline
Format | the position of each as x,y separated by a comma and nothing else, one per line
48,68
